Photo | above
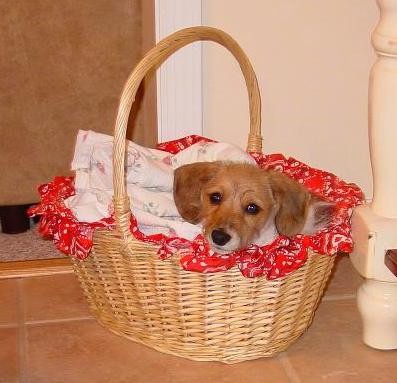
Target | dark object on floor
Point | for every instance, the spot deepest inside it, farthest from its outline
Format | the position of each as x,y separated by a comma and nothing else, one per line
391,260
14,219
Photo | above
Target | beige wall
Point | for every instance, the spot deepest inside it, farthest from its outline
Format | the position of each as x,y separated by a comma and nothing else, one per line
312,59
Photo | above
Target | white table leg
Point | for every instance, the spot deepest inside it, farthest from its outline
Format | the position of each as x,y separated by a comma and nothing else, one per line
377,303
374,226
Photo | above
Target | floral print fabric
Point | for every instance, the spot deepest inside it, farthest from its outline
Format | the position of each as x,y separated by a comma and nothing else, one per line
272,261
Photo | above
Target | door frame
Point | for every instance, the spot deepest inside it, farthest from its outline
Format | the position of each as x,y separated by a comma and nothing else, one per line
179,79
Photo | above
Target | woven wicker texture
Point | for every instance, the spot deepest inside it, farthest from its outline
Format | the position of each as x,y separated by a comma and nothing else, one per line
207,317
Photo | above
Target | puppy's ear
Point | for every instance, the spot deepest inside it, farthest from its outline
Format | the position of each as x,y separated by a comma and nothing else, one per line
319,215
188,182
298,211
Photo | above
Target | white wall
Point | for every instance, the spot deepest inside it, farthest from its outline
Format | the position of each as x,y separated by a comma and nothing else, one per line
312,59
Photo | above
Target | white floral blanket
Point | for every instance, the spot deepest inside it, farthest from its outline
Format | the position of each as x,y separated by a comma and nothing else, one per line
149,180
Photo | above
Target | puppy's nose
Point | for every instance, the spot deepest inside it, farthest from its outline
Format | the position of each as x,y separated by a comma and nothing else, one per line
220,237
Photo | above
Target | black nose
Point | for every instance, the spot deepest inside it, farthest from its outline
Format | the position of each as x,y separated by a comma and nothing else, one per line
220,237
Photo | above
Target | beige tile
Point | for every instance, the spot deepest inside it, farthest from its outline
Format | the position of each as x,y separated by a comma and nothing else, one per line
53,297
9,355
83,351
344,279
332,350
8,301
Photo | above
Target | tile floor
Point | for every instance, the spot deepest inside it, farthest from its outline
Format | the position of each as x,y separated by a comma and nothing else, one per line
47,335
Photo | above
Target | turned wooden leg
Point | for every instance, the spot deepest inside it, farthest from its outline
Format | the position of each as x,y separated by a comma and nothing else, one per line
374,226
14,219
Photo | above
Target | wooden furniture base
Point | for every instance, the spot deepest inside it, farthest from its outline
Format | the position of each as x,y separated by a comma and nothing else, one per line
391,261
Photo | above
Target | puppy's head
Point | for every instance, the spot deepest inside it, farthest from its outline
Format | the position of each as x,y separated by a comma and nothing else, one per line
240,204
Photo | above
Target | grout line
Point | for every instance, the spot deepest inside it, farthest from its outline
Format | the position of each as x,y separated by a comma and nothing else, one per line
339,297
22,335
289,369
9,325
55,321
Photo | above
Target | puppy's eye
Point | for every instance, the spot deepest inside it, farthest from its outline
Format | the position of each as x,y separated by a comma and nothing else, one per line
215,198
252,209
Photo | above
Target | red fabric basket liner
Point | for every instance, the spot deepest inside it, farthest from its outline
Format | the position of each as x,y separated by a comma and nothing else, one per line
275,260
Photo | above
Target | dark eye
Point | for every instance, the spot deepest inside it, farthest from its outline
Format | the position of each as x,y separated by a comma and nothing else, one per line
252,209
215,198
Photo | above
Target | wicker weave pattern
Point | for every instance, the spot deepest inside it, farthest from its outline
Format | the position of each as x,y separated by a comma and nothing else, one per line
219,317
207,317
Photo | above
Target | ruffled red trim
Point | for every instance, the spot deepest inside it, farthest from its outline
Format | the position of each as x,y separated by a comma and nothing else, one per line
281,257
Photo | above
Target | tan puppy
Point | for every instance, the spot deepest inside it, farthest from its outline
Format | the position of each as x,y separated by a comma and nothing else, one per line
240,204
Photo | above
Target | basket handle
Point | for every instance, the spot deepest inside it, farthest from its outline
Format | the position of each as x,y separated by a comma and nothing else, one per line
151,60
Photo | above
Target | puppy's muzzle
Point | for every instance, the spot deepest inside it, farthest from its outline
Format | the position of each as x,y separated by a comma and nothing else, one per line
220,237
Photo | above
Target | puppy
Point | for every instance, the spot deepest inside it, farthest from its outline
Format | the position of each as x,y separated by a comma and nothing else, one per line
240,204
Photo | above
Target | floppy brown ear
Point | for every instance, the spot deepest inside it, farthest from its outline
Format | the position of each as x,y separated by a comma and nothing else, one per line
188,182
298,210
292,201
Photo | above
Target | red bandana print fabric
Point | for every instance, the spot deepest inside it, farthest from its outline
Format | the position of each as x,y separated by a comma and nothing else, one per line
272,261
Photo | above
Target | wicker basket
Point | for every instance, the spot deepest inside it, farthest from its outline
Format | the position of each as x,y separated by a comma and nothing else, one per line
207,317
